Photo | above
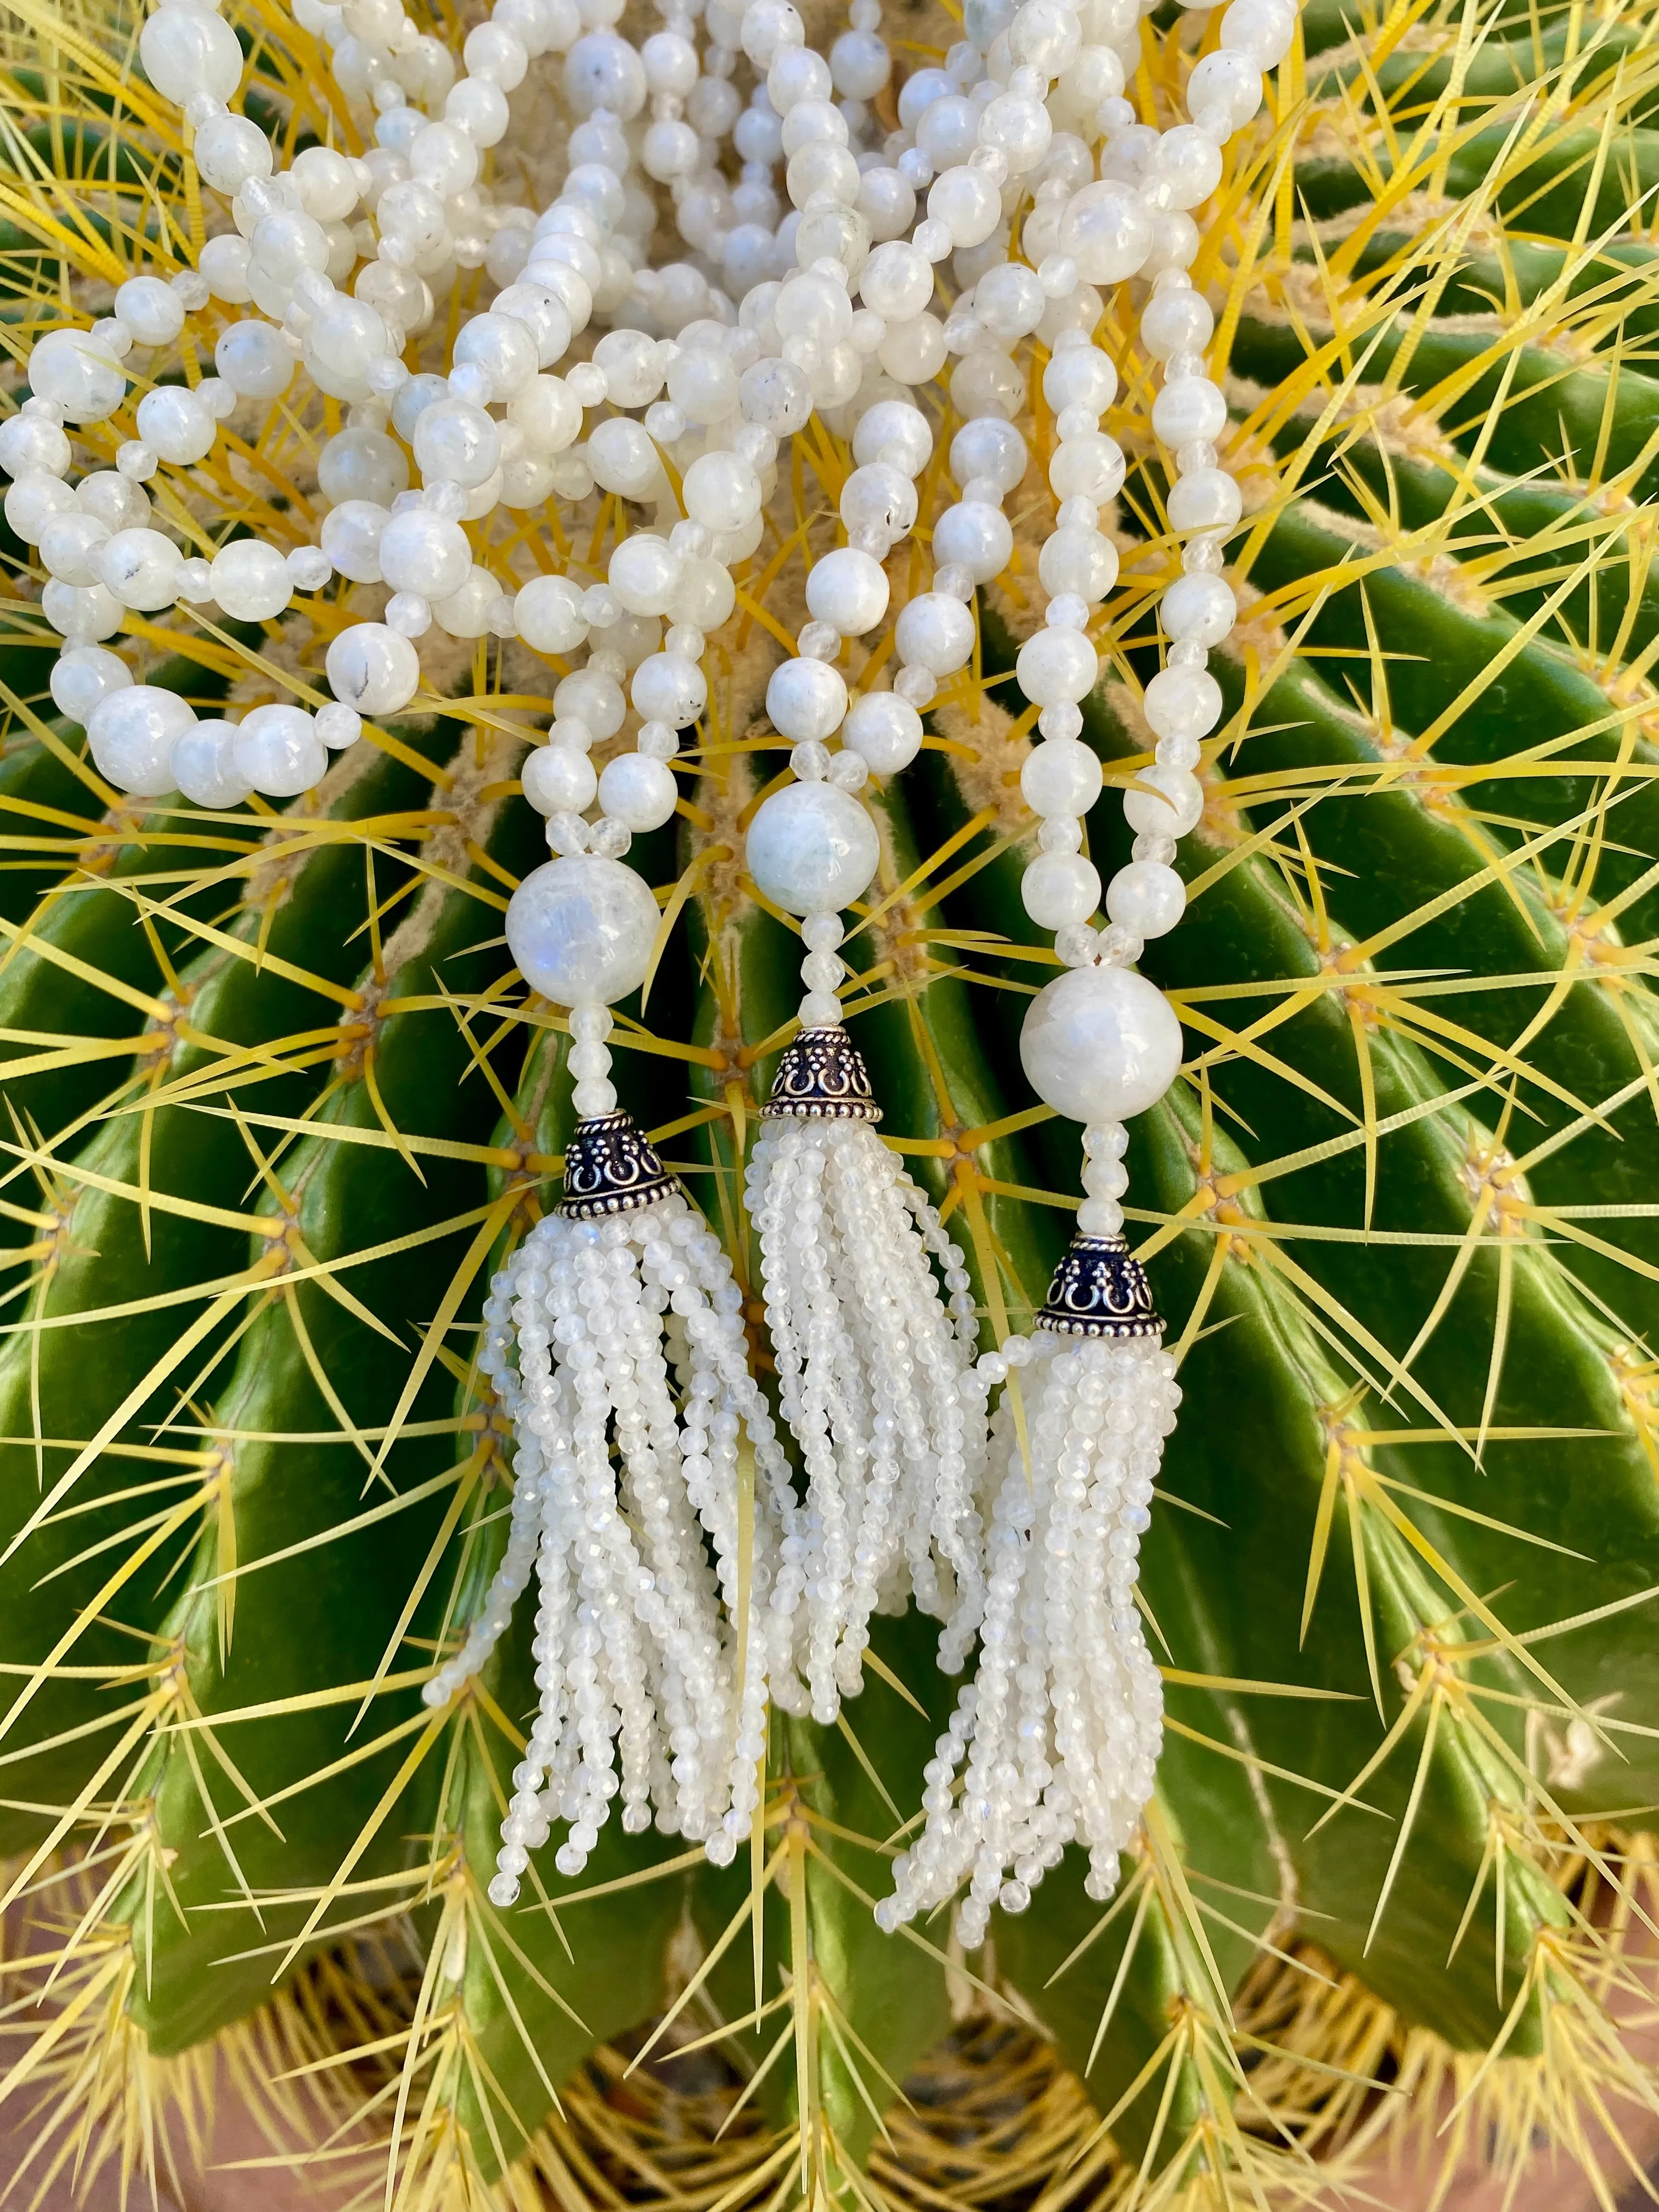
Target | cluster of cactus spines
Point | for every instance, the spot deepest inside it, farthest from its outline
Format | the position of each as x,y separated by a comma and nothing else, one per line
277,1103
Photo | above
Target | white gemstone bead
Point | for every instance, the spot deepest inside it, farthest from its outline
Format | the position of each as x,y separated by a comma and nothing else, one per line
548,614
373,669
1190,408
638,791
421,552
131,733
82,675
1100,1044
1058,889
1107,231
812,848
848,589
251,581
176,424
1146,897
361,463
1055,666
1061,776
557,779
1168,808
279,752
1198,609
141,568
935,632
1183,703
253,359
806,698
671,688
885,730
202,765
582,929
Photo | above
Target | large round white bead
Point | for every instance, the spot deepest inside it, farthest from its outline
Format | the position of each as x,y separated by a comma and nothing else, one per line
1099,1044
812,848
582,929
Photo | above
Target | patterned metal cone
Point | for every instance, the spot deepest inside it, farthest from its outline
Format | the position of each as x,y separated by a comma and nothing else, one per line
1100,1289
822,1077
610,1167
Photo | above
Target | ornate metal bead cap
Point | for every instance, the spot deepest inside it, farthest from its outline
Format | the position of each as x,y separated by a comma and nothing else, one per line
822,1077
609,1168
1100,1289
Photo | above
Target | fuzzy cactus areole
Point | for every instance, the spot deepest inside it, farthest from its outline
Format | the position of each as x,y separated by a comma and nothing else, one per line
830,1367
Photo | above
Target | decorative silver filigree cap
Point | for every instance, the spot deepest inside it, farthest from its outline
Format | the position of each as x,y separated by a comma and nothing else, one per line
1100,1289
822,1076
610,1167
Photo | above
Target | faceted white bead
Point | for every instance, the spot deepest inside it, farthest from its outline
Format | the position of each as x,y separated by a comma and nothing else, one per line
1168,809
885,730
131,733
637,791
582,929
250,581
372,669
202,765
812,848
848,589
1061,776
1100,1044
1056,664
558,779
1146,897
1058,889
279,752
806,698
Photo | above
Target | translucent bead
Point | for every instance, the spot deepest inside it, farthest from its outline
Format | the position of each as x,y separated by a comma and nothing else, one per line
548,614
1164,801
201,764
67,367
1100,1044
935,632
251,581
1199,610
806,698
582,929
140,568
187,51
151,310
1058,888
850,590
230,149
254,359
812,848
885,730
421,552
1056,664
559,779
373,669
83,674
278,751
131,731
1146,897
1191,408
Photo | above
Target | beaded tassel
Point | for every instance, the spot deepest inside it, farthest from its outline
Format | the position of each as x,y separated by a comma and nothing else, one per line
876,1377
1056,1738
614,1340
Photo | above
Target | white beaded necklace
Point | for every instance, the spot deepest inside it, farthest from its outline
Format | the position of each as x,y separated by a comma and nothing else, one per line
635,1634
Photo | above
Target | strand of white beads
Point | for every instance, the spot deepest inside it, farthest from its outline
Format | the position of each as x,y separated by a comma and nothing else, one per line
1056,1740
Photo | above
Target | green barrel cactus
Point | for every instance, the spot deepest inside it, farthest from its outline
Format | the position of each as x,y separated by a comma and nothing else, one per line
277,1104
